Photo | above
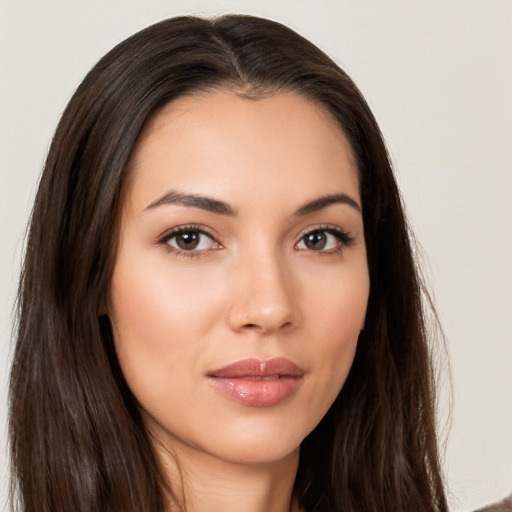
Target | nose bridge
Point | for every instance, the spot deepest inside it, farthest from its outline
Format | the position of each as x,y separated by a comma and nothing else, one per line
264,297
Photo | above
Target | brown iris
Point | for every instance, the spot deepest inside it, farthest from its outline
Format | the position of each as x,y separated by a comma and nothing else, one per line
315,241
188,240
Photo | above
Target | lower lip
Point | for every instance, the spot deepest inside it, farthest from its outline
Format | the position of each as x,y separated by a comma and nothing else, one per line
257,393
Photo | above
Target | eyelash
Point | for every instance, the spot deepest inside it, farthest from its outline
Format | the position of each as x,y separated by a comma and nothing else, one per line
191,228
343,238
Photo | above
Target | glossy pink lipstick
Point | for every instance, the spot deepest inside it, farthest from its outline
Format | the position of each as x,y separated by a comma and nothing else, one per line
258,383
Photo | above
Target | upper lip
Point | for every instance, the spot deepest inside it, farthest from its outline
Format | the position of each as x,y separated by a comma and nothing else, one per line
253,367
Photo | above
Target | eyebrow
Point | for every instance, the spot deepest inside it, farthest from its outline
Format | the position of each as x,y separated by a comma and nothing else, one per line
194,201
221,208
325,201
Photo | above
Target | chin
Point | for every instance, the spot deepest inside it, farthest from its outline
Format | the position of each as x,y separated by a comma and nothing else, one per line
259,451
241,441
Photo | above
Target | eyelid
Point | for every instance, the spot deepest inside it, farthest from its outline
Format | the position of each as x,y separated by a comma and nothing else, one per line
344,237
169,233
164,238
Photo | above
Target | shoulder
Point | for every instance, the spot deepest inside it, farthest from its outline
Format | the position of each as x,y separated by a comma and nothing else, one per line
502,506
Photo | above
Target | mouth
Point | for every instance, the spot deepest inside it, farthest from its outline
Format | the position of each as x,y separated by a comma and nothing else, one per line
258,383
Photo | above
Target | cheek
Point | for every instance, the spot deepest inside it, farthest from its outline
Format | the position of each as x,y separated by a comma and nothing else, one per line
338,304
159,319
334,318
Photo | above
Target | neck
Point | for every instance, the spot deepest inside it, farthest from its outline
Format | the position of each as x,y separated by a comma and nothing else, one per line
202,483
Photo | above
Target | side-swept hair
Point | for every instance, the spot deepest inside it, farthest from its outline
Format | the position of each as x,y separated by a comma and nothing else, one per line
77,440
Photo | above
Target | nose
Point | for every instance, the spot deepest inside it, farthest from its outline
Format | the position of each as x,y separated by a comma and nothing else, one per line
264,298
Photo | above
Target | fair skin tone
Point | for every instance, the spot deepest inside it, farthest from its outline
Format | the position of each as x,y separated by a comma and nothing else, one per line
258,271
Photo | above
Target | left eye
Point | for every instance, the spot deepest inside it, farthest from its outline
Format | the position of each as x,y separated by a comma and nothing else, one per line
320,240
191,241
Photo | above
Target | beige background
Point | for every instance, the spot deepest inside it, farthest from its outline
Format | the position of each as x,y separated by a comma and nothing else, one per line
438,75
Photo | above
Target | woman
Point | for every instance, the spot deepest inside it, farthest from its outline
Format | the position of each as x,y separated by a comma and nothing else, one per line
219,308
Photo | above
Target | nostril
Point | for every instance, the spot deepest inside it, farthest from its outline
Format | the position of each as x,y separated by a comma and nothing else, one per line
256,326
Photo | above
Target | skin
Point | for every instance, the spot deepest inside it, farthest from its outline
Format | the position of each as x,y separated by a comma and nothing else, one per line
251,288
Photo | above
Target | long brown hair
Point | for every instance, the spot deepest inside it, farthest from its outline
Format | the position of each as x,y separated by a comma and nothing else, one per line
77,439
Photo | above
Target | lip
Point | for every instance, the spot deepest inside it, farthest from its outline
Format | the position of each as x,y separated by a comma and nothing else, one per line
258,383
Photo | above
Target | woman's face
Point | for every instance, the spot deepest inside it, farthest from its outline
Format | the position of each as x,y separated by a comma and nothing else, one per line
241,283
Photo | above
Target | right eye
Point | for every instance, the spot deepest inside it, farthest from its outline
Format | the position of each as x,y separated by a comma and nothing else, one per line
189,240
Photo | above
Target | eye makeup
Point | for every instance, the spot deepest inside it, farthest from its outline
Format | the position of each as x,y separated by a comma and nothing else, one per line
189,240
194,240
325,239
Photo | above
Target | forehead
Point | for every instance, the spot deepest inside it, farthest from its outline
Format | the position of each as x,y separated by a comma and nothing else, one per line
220,142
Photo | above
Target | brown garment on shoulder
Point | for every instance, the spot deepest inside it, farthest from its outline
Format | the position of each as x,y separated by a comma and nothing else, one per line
502,506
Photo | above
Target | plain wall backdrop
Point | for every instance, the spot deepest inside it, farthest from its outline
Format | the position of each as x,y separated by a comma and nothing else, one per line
438,76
